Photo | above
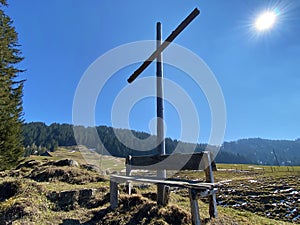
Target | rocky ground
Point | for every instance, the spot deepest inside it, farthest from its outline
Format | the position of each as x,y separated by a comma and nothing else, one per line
272,197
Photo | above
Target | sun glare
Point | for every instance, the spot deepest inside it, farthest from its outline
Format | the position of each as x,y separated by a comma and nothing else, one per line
268,20
265,21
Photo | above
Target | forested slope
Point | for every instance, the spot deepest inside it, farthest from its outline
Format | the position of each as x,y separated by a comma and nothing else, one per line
39,137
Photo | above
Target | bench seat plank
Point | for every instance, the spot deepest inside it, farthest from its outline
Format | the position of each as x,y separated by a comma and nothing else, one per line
155,180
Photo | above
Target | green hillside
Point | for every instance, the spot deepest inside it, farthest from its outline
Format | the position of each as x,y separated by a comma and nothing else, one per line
52,190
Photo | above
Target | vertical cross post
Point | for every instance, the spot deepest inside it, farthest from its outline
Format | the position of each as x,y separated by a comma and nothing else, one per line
161,189
159,96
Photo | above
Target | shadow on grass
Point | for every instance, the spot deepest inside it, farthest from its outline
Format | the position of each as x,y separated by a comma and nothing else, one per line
95,220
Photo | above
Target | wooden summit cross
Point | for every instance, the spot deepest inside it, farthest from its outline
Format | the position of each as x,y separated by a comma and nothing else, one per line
161,195
193,161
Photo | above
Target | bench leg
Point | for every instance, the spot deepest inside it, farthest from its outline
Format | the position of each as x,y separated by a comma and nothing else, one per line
213,211
162,194
113,194
194,207
128,173
210,179
128,187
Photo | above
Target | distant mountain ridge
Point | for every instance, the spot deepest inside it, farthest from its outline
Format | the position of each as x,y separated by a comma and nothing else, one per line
266,152
39,137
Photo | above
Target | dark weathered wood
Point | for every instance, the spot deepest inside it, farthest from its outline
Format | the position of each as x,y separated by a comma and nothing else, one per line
159,96
213,212
113,194
165,44
194,207
162,194
169,162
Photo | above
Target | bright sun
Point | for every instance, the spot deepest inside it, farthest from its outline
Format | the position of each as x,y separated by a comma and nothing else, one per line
265,21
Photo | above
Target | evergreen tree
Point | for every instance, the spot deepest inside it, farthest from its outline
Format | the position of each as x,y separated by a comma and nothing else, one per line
11,92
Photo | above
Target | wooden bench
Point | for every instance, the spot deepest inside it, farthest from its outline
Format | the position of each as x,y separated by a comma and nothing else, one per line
197,161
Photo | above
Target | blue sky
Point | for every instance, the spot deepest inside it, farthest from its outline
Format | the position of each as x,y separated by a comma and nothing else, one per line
258,73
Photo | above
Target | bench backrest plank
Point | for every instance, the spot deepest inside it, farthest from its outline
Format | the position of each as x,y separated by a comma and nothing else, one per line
178,161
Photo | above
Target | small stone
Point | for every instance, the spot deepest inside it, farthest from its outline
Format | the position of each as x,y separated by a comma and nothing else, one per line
67,162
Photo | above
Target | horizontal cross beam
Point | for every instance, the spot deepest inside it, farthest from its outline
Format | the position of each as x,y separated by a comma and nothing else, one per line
165,44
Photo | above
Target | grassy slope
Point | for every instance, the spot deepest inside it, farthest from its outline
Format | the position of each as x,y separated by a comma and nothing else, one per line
84,156
31,196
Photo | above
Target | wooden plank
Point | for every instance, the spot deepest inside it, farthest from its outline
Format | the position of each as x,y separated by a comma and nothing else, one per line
154,180
174,162
113,194
194,207
165,44
168,162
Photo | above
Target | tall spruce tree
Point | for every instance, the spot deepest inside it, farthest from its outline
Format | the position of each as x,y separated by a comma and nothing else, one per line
11,92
